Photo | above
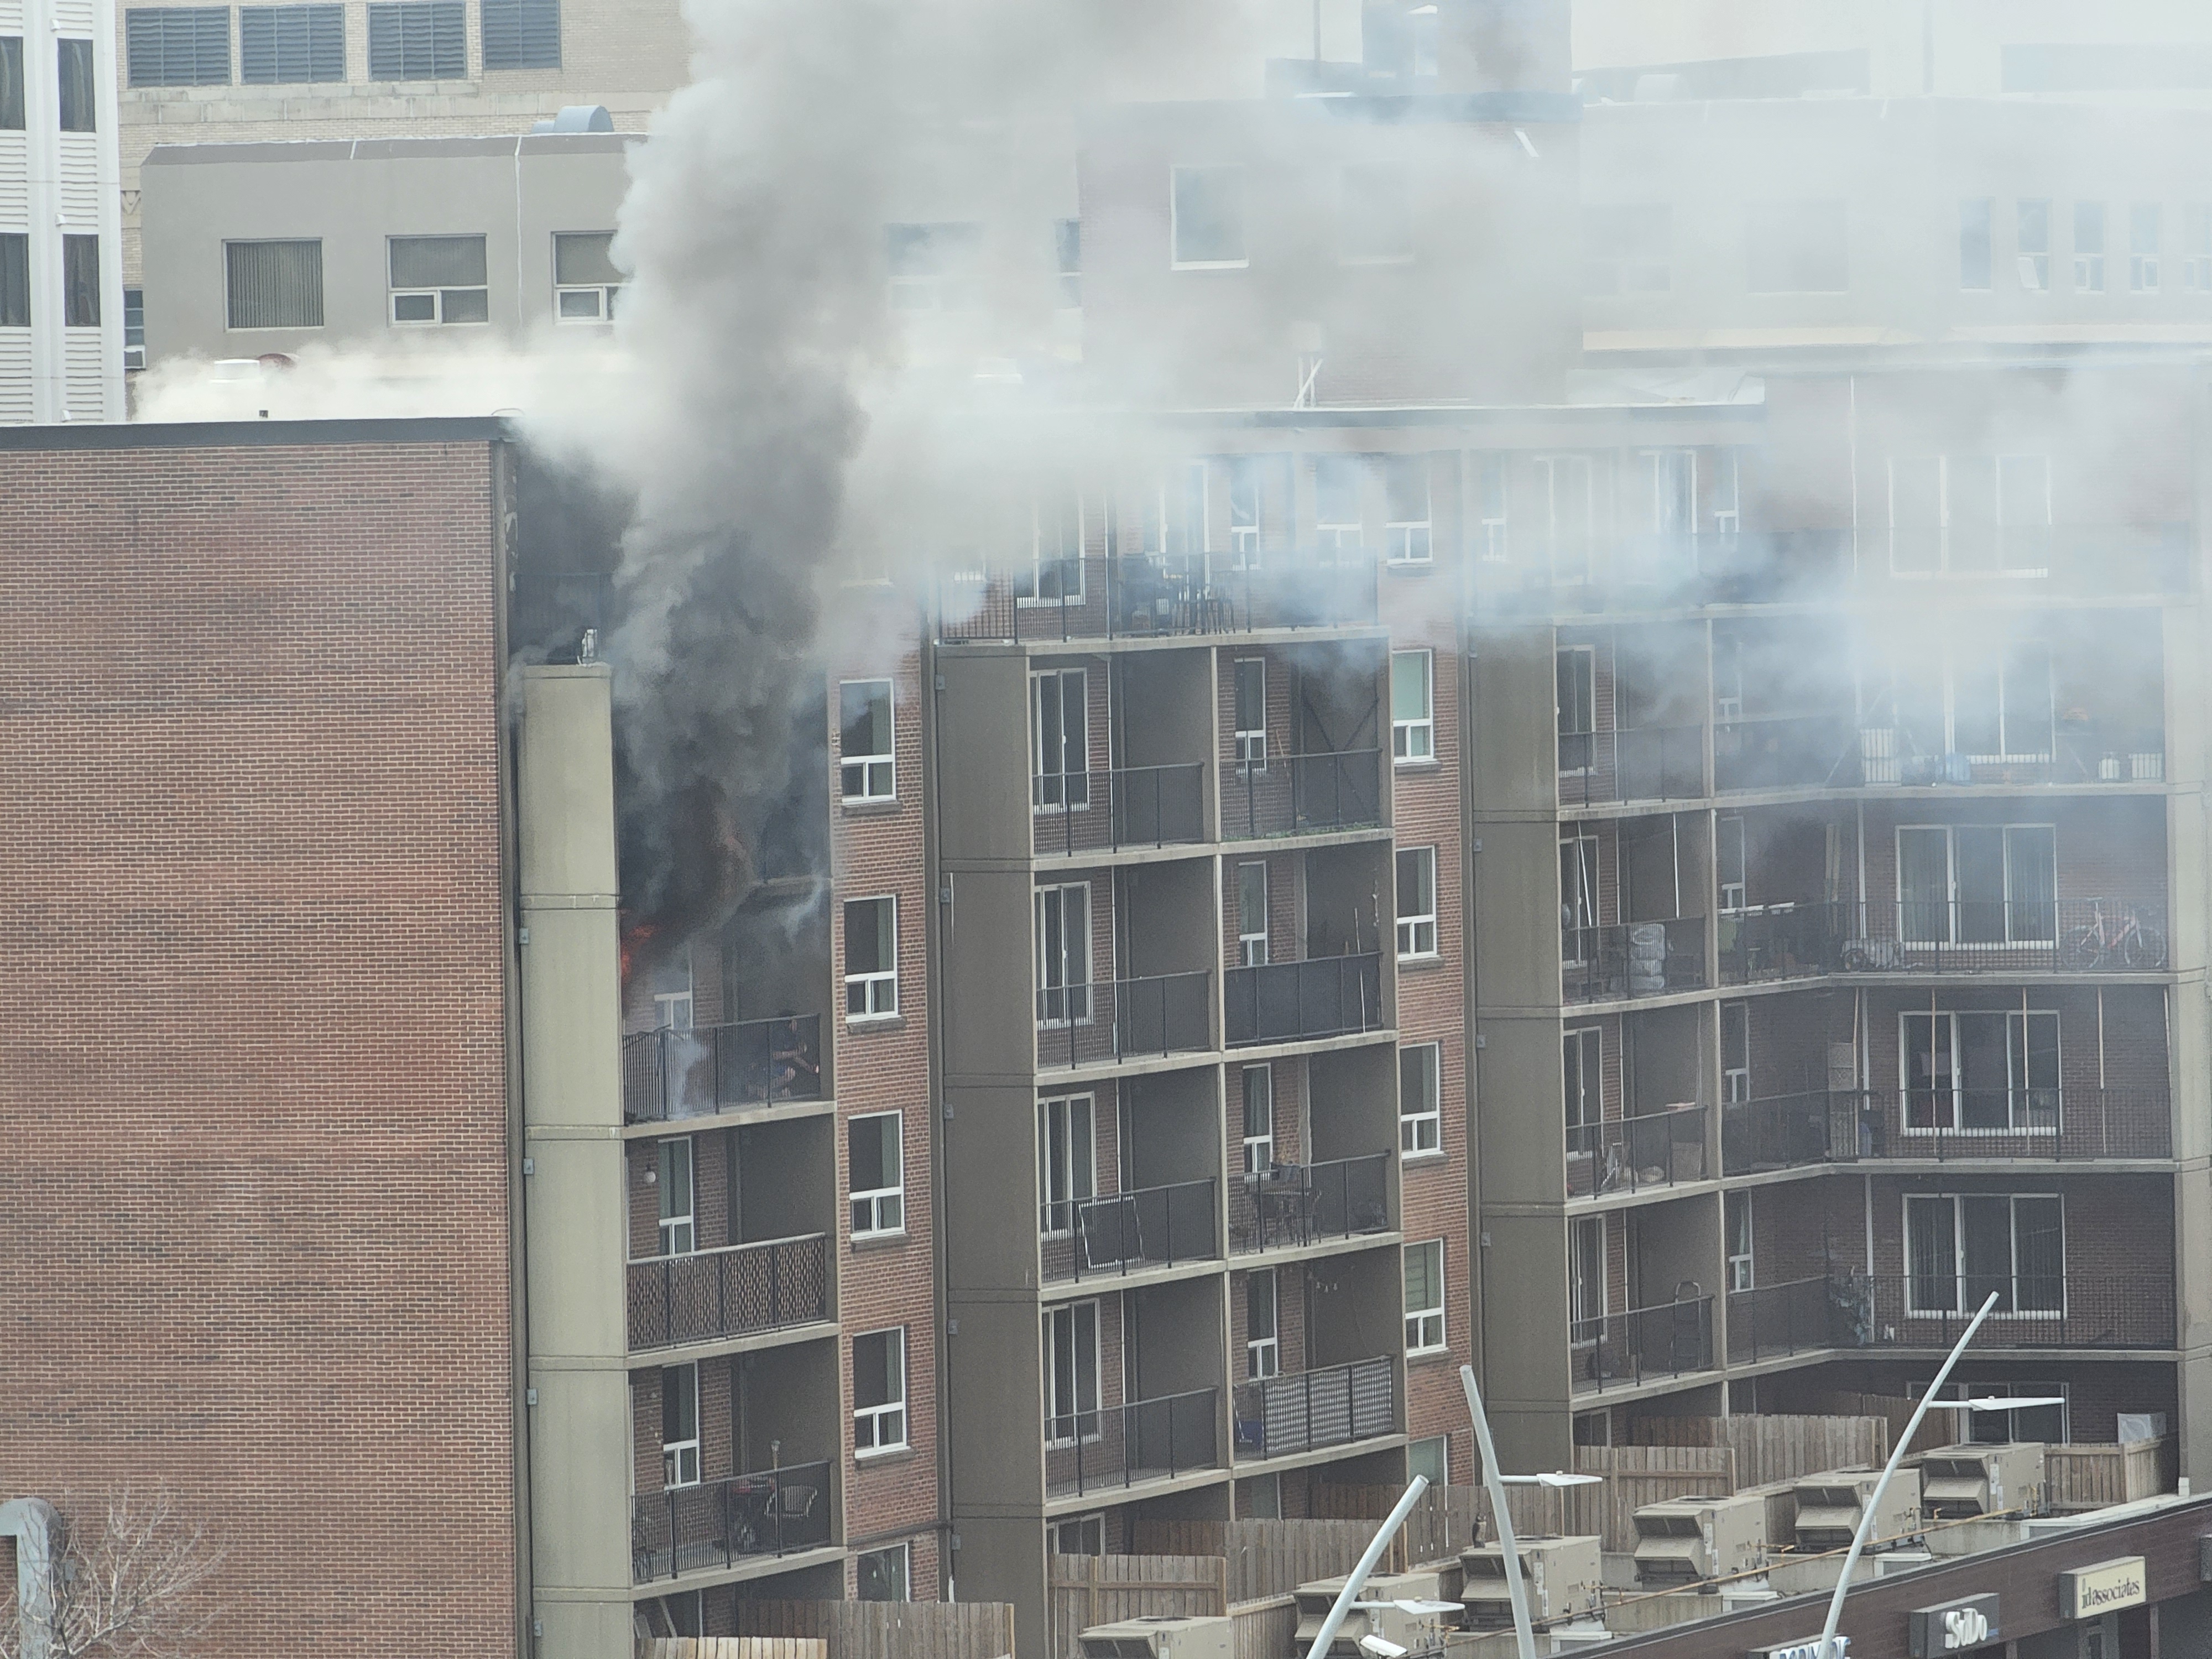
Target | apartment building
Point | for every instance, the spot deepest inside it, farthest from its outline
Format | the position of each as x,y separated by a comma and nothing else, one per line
61,288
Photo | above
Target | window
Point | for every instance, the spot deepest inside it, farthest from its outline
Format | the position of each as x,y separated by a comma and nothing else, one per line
1066,1159
2197,247
1992,1072
439,279
2047,1423
677,1615
1375,216
1252,915
932,266
1737,1221
1417,903
1055,570
274,284
1059,778
1084,1536
1259,1498
1420,1116
418,40
1576,671
679,1232
871,958
679,1425
1488,490
874,1173
1063,934
1974,218
1669,479
1251,684
523,34
1262,1356
78,100
673,1001
1206,216
866,770
2145,224
1431,1459
1577,896
879,1391
1258,1083
178,45
584,278
81,281
281,44
1068,261
1969,514
1586,1279
1960,1247
1424,1297
15,279
1977,883
1797,247
1568,486
1627,249
1247,482
1736,1052
2001,706
2089,246
1412,705
1729,858
884,1575
1405,520
1727,499
134,328
1071,1374
11,83
1336,526
1581,1056
2031,245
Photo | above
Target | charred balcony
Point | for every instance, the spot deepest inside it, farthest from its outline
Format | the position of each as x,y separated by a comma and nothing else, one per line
1333,979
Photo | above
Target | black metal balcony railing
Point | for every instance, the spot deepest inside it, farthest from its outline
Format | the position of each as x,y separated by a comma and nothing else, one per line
1652,762
1333,1406
1320,996
716,1524
1113,1447
1620,1350
1632,959
2010,936
711,1068
1286,1205
1120,1233
1110,1020
1947,1125
1302,795
1784,1132
1806,751
735,1290
1772,1320
2090,559
1627,1155
1127,806
1789,940
2034,1310
1115,596
2079,753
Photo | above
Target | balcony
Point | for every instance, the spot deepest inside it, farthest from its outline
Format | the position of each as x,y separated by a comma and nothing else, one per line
1771,1321
2084,753
2099,560
1303,795
1649,764
1806,751
1335,1406
1118,1234
1291,1001
1128,806
1636,1154
1595,575
1644,1344
1787,1132
739,1290
669,1074
717,1524
1114,1020
1143,597
1632,959
1288,1206
2011,936
1949,1125
2072,1310
1116,1447
1790,940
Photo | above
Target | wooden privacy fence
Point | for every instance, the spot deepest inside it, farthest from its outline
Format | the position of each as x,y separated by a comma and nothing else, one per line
1935,1429
1634,1476
1266,1557
1263,1629
873,1630
731,1647
1104,1589
2089,1476
1770,1447
1441,1523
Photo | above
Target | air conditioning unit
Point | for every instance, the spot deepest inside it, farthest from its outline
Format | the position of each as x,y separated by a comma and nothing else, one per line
1562,1575
1830,1506
1959,1482
1159,1638
1687,1541
1404,1609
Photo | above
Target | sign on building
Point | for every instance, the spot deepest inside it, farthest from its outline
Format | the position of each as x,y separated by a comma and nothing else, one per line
2085,1592
1953,1627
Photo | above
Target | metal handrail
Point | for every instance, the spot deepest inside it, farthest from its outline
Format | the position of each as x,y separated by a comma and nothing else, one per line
1300,794
1316,997
1307,1411
1116,1234
1290,1205
696,1072
713,1524
731,1290
1143,806
1109,1447
1102,1022
1619,1155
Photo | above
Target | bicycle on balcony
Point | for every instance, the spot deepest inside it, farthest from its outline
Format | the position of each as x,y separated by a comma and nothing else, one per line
2121,940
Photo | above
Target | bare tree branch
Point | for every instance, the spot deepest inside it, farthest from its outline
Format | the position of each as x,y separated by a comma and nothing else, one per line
122,1584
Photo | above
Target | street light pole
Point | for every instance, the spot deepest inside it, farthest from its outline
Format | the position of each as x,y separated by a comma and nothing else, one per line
1318,1648
1826,1649
1516,1592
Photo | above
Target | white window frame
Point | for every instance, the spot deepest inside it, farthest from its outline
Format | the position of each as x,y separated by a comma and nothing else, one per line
2031,265
1739,1229
1245,487
879,987
2142,266
1417,929
1408,540
1263,1355
437,318
1581,1106
1726,506
672,1011
1426,1331
1579,909
1252,944
1251,740
1945,566
2018,1121
1736,1067
2089,267
876,774
1909,1201
1730,861
1259,1148
1587,1275
1953,901
902,1553
1580,662
2197,247
1490,486
1560,475
1057,789
1420,1130
880,1429
1337,537
1063,976
602,294
879,1211
1040,558
679,1228
679,1459
1074,1174
1413,740
1070,1314
1672,476
1175,229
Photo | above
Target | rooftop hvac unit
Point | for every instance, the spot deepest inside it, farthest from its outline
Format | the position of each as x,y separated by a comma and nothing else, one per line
1687,1541
1159,1638
1563,1577
1959,1482
1401,1608
1830,1506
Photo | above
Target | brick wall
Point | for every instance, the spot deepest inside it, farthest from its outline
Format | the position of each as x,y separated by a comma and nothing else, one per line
254,1191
